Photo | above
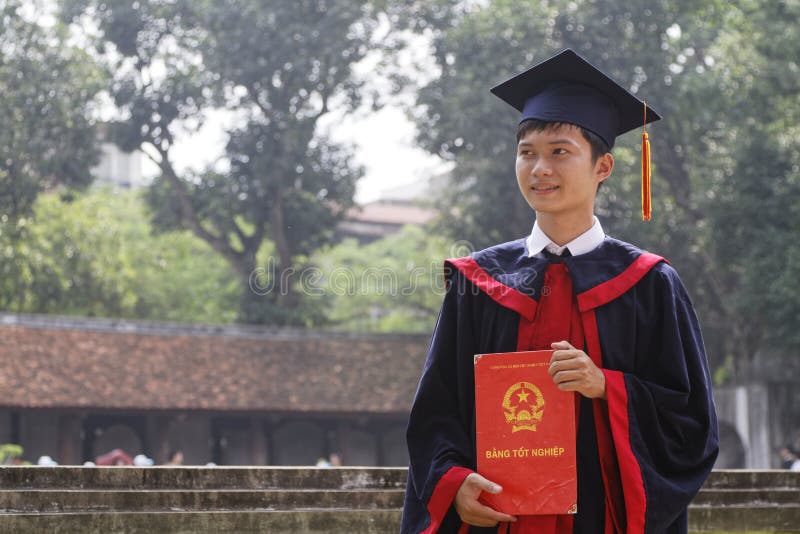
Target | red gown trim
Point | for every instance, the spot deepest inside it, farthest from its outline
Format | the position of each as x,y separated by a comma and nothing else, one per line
442,497
609,468
613,288
619,466
629,470
502,294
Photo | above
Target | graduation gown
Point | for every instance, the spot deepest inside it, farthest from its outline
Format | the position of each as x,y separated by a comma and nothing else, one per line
643,452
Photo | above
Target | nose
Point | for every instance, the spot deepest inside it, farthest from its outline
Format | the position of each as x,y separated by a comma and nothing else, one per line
541,168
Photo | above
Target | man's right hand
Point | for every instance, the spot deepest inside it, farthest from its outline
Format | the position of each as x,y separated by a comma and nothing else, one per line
470,510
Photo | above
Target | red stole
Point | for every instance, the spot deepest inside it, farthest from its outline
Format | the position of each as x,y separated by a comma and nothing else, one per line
557,319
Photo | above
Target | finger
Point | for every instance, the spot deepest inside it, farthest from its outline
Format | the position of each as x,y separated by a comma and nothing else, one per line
477,519
565,354
578,363
562,345
586,386
562,377
571,364
483,484
485,513
572,385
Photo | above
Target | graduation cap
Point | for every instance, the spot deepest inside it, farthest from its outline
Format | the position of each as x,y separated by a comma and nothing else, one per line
567,88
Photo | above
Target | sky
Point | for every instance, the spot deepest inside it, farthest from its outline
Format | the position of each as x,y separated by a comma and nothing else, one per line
383,140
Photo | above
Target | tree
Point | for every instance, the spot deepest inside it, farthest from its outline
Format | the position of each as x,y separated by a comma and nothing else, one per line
47,87
47,138
694,61
95,256
395,284
278,67
755,204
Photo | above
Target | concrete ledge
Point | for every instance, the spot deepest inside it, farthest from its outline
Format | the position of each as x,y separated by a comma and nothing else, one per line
749,478
196,478
305,499
761,496
78,501
312,522
745,518
294,478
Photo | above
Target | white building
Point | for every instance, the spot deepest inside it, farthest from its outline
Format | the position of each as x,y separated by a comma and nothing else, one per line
118,168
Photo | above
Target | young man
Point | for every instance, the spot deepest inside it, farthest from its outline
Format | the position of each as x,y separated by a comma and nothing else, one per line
625,335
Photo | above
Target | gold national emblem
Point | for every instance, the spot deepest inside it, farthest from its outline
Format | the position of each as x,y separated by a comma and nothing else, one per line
523,406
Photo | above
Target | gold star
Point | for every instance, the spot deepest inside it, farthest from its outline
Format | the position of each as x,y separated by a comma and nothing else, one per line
523,397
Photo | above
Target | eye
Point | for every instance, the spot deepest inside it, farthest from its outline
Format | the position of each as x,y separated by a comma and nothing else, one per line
560,151
525,152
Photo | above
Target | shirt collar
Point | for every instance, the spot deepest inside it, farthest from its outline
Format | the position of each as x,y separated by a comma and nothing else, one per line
591,238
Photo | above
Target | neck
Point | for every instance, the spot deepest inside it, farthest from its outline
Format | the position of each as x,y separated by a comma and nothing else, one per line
560,229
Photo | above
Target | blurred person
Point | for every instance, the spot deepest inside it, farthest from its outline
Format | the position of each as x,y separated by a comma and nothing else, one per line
115,457
175,457
141,460
788,458
11,454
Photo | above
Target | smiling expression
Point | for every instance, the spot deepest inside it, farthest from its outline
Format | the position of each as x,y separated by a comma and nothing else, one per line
555,172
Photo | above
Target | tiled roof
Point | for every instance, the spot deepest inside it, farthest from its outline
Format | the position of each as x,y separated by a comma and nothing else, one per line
390,213
68,363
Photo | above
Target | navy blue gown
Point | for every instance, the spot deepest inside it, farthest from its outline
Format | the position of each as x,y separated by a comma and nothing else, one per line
643,452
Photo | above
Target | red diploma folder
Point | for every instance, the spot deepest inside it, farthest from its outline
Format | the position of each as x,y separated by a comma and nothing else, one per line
525,434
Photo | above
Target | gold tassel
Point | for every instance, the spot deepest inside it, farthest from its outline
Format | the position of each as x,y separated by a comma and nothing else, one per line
645,170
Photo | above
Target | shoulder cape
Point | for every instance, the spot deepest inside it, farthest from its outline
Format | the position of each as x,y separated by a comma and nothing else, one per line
656,431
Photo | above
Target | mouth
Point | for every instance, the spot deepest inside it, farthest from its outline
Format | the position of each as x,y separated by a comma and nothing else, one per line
544,188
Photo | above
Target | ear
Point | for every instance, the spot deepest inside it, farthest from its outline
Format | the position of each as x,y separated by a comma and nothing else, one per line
603,167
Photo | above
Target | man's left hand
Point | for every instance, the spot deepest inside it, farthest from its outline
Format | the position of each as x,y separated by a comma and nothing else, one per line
573,370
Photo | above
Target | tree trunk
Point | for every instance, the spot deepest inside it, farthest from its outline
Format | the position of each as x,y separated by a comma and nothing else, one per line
285,272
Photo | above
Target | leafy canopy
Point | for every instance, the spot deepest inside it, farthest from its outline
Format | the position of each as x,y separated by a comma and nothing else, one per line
47,88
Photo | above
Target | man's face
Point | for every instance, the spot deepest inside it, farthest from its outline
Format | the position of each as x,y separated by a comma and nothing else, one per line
555,171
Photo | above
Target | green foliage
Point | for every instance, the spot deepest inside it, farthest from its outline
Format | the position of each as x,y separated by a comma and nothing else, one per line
755,208
395,284
46,90
96,256
460,120
9,452
725,156
275,66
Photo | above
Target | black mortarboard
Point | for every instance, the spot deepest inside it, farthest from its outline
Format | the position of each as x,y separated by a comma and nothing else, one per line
567,88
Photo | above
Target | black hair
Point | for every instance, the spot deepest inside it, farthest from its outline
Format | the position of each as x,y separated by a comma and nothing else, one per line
599,147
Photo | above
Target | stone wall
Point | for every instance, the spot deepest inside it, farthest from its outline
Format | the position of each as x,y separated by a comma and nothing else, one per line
73,437
755,420
258,499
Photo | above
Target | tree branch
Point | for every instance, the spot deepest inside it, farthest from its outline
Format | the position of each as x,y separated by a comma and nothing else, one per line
677,177
243,238
322,111
189,216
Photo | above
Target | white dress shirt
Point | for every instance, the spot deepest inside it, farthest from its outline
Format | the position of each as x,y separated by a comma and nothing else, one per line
589,240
